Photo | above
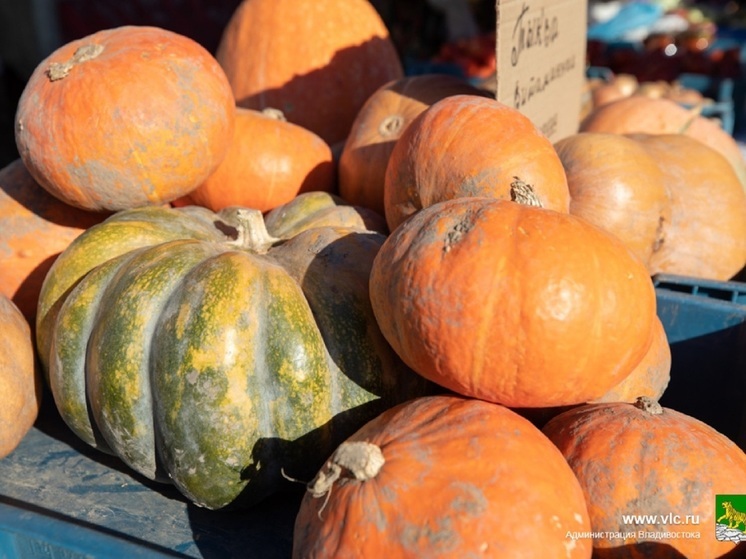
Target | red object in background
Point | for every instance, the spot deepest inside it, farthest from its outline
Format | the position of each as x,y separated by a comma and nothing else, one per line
475,56
201,20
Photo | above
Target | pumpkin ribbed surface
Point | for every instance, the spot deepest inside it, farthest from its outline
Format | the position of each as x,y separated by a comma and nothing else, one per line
197,359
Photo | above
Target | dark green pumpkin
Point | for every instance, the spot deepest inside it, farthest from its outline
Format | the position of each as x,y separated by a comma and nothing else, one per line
202,351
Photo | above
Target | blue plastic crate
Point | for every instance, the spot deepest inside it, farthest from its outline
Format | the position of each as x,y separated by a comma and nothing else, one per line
705,322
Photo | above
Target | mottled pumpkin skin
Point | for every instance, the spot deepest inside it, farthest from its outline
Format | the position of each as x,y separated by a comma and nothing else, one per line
317,61
630,461
142,122
321,209
461,478
469,146
270,161
20,381
34,228
200,361
514,304
379,124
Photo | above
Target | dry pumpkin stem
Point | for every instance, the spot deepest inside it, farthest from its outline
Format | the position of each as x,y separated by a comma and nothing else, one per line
523,193
59,70
250,231
391,126
276,114
361,459
648,404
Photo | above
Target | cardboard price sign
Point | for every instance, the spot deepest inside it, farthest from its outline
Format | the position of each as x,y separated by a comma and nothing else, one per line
541,61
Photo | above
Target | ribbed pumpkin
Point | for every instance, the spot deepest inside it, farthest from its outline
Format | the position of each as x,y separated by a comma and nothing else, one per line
639,114
643,459
706,236
202,351
468,145
616,184
514,304
34,228
270,161
20,382
380,123
125,117
320,209
317,61
443,477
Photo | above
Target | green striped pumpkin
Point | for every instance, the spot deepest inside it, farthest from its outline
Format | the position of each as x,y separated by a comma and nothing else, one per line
204,352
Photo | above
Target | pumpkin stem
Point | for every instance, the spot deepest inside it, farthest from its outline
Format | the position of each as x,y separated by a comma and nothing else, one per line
523,193
391,126
59,70
362,459
250,230
648,404
276,114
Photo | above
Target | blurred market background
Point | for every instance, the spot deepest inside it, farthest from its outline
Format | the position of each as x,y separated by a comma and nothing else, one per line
700,44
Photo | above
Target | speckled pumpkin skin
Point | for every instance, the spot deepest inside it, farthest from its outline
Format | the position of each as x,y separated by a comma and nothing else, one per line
143,120
461,478
631,461
205,363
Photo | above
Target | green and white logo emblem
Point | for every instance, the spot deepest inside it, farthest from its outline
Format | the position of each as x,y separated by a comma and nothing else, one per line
730,518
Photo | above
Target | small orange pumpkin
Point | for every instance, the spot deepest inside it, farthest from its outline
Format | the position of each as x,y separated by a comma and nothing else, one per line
270,161
443,477
468,145
643,459
20,380
125,117
317,61
513,304
35,227
379,124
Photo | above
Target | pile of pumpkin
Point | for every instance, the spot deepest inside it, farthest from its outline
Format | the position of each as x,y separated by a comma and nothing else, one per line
292,262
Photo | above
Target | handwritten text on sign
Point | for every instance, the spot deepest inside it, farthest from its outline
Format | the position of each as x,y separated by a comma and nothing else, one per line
540,60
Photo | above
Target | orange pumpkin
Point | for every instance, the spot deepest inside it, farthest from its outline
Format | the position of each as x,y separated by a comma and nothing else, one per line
20,381
34,228
317,61
380,123
616,184
648,115
706,236
443,477
513,304
643,459
270,161
467,145
125,117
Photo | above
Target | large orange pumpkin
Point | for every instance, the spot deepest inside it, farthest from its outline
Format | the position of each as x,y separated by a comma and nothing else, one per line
34,228
379,124
643,459
125,117
20,380
468,145
519,305
648,115
706,236
317,61
443,477
616,184
270,161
